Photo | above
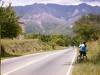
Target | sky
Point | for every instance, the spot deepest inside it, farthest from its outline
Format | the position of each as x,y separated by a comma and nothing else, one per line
61,2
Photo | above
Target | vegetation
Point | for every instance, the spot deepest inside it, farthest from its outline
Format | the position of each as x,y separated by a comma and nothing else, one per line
9,27
57,39
87,29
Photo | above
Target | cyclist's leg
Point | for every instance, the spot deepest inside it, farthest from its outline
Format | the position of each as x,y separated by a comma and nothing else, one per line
81,53
84,53
85,57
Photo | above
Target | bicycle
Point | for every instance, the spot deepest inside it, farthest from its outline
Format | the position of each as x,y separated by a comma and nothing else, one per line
81,59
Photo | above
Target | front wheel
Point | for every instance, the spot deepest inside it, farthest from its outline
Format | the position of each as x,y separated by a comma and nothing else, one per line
78,59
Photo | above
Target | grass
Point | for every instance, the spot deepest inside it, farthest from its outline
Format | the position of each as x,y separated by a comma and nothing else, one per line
86,69
92,67
14,48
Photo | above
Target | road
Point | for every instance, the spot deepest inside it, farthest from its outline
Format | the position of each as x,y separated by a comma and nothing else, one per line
46,63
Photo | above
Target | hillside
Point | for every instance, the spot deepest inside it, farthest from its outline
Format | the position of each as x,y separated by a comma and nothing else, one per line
52,18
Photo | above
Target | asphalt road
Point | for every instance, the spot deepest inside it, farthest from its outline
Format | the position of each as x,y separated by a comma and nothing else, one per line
46,63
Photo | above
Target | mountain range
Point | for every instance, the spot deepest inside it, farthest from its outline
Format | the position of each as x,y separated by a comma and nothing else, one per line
52,18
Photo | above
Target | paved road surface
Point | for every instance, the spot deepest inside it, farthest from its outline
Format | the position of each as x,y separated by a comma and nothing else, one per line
46,63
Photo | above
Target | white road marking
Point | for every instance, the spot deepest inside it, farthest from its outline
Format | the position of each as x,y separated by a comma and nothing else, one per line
70,67
32,62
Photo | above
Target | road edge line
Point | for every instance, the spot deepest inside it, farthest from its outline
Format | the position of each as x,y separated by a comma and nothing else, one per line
71,66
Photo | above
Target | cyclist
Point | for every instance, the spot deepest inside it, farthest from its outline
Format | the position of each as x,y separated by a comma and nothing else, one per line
83,49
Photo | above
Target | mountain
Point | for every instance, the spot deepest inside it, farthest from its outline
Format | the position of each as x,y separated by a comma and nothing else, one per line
52,18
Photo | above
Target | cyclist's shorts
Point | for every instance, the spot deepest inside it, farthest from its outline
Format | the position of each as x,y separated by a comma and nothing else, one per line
82,53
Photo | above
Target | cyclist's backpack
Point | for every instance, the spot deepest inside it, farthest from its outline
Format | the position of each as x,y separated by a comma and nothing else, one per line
84,48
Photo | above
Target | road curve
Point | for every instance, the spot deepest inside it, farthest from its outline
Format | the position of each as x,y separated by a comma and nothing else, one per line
46,63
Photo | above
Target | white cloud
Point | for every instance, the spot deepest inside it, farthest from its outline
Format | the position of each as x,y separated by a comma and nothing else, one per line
89,0
95,3
63,2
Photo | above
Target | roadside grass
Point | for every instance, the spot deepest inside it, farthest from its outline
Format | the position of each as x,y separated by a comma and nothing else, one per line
14,48
86,69
92,67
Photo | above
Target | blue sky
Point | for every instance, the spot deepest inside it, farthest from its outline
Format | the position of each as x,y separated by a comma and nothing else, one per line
62,2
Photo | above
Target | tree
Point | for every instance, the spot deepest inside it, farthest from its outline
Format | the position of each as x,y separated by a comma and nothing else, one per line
61,40
88,27
9,26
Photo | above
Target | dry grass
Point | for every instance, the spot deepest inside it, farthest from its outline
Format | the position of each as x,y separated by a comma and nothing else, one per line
86,69
21,47
92,67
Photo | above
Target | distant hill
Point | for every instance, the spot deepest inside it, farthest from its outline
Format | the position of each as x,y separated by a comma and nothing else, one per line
52,18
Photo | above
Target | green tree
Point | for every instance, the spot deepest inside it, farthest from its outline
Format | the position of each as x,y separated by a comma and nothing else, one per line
61,40
45,38
88,27
9,26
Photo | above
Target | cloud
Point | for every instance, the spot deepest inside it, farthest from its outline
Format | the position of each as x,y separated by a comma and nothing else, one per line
62,2
95,3
90,0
